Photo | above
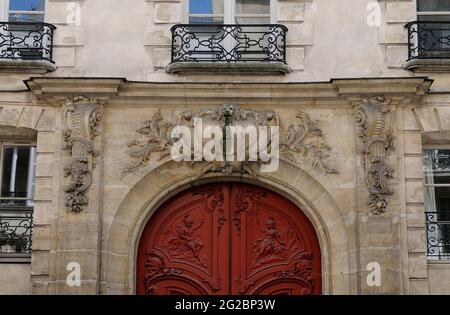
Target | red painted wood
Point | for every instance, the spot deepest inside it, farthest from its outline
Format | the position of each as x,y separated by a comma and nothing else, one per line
229,238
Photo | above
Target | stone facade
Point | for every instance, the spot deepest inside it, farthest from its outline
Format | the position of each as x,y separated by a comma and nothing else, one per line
111,77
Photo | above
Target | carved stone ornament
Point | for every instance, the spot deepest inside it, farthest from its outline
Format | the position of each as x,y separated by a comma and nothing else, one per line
303,138
375,131
82,117
306,139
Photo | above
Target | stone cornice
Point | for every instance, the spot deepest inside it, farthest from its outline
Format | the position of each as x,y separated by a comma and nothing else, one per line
56,90
394,86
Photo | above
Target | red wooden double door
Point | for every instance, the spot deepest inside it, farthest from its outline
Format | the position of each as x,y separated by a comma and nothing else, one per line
228,238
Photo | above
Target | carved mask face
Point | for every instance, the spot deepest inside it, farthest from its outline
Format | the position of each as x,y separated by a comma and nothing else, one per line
228,110
188,221
270,224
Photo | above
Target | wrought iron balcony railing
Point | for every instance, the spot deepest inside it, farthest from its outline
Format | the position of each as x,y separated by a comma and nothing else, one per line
16,224
428,40
229,43
438,234
26,41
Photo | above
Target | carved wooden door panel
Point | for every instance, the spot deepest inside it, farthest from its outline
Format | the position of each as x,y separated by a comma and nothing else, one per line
184,247
274,246
228,238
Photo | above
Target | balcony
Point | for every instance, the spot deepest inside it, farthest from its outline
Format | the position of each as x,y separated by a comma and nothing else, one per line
228,48
428,46
438,234
26,47
16,223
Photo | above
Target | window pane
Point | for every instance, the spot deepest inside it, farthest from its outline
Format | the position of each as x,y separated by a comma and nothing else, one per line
15,174
252,6
433,5
19,17
437,166
206,6
27,5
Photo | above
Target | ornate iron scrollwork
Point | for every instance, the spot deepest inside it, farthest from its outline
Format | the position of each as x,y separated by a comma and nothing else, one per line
26,41
438,234
229,43
15,230
428,40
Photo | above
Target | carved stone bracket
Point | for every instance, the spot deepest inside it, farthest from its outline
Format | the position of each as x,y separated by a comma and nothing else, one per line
81,117
304,138
375,131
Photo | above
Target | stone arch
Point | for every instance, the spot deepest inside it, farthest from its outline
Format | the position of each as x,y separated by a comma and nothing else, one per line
162,183
21,117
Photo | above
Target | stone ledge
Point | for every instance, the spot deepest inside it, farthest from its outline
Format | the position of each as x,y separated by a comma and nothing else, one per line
428,65
234,68
26,66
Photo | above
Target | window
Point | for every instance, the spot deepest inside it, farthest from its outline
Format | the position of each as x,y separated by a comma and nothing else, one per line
434,30
231,11
433,10
17,180
26,10
436,167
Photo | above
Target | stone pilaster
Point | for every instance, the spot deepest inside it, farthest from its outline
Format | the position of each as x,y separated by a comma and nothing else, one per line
78,215
377,193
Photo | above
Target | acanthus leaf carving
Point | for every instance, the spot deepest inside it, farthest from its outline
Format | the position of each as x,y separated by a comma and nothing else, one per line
303,138
374,119
156,134
82,117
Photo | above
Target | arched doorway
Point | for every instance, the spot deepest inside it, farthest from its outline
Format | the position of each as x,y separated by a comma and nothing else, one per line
228,238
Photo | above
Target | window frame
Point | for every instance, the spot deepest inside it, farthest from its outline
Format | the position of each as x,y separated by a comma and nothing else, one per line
4,11
17,143
445,258
229,15
427,13
20,210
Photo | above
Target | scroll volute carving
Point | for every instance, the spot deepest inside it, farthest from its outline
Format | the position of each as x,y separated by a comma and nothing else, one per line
81,118
375,131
